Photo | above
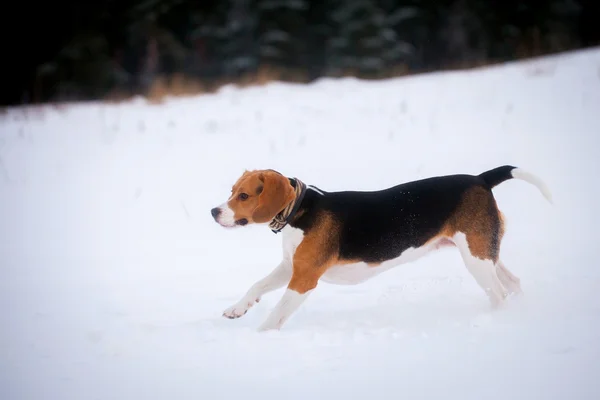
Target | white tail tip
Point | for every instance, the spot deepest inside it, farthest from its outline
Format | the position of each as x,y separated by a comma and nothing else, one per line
526,176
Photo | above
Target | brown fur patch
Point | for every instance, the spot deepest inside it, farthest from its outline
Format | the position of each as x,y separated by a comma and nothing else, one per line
268,192
479,219
501,227
315,254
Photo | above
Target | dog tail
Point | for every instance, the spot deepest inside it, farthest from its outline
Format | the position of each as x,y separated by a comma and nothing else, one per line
496,176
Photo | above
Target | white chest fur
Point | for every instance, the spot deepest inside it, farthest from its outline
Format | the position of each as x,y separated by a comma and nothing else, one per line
292,237
350,274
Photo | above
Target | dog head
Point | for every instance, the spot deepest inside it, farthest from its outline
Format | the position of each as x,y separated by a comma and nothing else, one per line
256,197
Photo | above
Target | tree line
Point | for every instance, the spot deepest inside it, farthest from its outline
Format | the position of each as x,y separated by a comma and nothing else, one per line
107,47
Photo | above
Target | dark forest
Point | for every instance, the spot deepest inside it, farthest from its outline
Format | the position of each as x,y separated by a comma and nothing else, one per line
76,50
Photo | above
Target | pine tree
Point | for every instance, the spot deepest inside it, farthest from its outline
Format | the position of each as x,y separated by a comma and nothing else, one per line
229,34
283,30
463,34
319,30
561,25
364,39
240,44
408,27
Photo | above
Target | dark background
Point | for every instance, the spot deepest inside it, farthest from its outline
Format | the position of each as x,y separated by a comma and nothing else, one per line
77,50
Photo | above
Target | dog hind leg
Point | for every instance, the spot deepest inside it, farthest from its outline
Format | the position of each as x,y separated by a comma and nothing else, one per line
483,270
509,280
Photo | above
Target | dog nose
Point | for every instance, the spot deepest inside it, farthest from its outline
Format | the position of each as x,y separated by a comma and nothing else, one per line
215,212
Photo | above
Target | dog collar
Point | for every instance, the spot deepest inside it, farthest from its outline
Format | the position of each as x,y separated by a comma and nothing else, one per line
284,216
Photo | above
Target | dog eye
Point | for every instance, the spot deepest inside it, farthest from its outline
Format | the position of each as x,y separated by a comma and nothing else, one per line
243,196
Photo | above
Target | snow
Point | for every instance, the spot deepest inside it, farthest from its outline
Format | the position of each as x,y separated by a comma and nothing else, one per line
113,275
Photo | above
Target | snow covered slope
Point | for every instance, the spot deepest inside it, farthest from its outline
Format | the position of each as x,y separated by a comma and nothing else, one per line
113,276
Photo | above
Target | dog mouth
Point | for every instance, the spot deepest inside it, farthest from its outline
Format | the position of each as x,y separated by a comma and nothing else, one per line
225,217
236,224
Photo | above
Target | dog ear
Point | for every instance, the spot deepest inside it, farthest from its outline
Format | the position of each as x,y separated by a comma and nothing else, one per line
276,194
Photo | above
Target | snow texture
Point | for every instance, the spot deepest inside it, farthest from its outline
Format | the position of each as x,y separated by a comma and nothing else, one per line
113,275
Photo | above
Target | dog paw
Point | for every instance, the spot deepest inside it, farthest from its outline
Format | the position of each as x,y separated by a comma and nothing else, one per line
269,326
239,309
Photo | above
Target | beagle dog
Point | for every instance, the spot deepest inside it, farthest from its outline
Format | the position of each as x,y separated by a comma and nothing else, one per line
348,237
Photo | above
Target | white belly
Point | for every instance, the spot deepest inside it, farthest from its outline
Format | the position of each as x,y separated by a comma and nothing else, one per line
352,274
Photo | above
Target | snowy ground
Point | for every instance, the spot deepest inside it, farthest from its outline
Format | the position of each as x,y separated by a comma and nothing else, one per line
113,276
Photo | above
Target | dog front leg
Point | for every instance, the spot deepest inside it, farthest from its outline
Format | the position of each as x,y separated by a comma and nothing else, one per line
304,280
276,279
289,303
